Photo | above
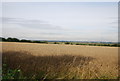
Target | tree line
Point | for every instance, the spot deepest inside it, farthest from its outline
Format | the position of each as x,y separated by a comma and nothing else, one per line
9,39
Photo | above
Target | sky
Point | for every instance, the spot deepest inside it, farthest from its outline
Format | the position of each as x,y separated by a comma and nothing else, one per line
59,0
73,21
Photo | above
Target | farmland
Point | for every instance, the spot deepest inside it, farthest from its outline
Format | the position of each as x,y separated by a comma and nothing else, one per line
59,61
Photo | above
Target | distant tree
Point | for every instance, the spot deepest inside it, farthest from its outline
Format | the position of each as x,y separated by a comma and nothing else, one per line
67,42
2,39
118,45
36,41
71,43
56,43
115,45
45,42
77,44
98,44
15,40
9,39
23,40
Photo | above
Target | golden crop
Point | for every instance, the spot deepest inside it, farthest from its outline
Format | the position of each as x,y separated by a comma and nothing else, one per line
62,61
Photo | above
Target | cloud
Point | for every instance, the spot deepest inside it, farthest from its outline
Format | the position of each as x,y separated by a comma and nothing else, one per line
34,24
37,29
25,28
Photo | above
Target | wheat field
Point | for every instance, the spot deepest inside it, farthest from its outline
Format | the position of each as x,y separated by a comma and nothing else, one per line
59,61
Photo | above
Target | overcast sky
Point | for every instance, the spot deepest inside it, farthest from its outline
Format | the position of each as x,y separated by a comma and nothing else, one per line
77,21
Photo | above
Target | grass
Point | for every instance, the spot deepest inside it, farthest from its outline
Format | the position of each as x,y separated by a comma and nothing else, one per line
35,61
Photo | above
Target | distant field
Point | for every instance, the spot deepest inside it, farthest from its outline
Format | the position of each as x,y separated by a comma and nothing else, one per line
59,61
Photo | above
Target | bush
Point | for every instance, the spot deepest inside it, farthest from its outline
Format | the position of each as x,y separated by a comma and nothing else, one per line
11,73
